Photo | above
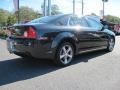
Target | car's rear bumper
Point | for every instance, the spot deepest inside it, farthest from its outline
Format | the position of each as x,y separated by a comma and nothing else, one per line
34,48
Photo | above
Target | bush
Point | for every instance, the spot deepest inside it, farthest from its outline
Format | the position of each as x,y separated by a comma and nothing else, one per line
3,34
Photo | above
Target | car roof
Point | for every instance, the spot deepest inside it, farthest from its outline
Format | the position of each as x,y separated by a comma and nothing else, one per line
63,15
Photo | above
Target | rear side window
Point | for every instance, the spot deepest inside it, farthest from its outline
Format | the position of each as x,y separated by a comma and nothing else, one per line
63,21
72,21
75,21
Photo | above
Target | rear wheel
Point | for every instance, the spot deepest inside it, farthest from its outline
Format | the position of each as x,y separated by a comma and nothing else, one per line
65,54
111,44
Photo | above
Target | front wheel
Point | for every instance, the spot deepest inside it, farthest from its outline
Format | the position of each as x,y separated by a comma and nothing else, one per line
111,44
65,54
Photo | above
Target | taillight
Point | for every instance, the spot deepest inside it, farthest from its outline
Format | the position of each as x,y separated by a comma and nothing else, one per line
30,33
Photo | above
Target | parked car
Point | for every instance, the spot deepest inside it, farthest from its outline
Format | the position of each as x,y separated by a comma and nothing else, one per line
60,38
117,29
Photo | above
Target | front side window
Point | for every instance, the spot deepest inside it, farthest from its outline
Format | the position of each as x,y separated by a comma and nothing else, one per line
84,23
94,24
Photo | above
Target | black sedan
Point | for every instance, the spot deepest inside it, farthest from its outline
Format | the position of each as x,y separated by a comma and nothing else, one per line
59,38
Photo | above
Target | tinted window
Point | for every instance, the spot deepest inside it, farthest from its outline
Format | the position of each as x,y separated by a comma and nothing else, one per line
84,23
74,21
94,24
62,21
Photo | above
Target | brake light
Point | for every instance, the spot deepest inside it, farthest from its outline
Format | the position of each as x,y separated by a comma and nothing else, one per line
30,33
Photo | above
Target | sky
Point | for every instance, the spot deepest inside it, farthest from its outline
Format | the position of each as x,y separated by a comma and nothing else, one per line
65,6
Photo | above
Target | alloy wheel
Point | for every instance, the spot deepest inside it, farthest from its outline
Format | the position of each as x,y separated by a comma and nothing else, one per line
111,44
66,54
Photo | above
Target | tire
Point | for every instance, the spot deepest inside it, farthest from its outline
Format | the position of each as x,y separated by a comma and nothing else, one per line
64,54
111,44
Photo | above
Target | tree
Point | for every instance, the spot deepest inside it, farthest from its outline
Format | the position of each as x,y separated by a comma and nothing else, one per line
112,19
3,17
27,13
93,14
11,19
54,9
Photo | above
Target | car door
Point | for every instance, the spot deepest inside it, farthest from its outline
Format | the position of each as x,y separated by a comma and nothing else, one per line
98,36
83,34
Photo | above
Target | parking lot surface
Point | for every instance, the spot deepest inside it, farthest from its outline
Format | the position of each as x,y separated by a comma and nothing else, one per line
92,71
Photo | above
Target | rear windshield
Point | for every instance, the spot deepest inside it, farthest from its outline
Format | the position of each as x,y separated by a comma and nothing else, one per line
46,19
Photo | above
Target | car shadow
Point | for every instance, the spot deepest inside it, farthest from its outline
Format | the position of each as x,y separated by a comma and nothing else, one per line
19,69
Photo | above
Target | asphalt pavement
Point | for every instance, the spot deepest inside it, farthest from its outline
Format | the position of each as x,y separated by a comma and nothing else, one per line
92,71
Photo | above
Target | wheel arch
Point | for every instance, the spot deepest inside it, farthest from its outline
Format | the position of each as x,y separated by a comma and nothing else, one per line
111,36
70,40
64,37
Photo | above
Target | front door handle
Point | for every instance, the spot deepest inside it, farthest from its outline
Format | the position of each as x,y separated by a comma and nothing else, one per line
94,34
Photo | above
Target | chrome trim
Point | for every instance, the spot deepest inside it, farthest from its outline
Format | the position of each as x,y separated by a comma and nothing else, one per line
94,49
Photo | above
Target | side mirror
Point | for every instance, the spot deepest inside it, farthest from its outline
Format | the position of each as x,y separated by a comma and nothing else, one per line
105,27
